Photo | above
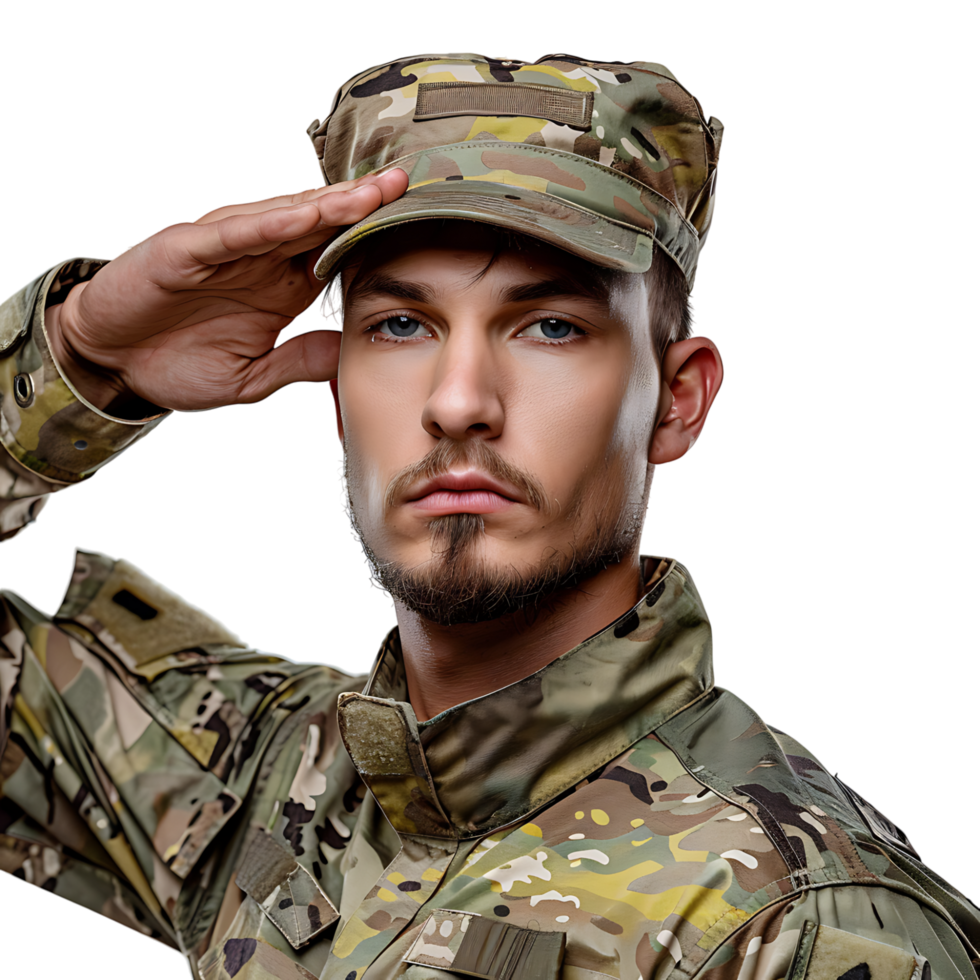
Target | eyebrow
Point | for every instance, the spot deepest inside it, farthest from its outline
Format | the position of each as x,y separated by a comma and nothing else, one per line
591,287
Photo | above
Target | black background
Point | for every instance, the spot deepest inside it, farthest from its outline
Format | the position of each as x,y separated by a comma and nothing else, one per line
818,541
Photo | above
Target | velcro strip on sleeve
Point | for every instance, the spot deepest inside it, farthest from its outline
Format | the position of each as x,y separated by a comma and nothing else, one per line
825,953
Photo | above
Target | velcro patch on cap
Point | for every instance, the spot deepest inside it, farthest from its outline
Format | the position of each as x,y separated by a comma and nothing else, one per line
437,100
825,953
469,945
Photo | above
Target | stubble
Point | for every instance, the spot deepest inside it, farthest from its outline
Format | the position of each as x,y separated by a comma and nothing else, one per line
457,585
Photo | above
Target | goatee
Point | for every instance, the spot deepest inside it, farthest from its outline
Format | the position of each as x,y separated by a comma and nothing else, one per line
456,586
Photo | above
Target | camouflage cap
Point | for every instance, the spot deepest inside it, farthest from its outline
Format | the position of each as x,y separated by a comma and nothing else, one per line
600,159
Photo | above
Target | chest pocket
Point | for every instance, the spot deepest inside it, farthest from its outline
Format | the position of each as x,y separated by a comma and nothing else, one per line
287,893
465,944
825,953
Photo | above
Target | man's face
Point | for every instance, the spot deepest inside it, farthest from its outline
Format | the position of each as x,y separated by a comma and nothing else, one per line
497,407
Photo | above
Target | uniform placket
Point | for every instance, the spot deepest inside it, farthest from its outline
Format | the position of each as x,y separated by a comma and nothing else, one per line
382,738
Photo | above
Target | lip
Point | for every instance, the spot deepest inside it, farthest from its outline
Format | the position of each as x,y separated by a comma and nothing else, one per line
471,492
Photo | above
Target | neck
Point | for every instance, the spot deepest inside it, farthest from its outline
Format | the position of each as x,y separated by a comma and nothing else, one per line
447,665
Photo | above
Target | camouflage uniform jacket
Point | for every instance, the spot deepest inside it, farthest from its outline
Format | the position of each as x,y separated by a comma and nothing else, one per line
612,815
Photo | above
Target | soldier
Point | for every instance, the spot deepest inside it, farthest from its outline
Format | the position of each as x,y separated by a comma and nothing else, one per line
538,777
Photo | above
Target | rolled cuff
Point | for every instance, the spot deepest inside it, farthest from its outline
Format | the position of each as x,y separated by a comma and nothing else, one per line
45,424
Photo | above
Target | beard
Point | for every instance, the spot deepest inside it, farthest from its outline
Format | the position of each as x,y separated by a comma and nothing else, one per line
458,586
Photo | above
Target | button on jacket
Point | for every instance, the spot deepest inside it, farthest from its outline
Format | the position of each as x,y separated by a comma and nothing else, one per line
612,815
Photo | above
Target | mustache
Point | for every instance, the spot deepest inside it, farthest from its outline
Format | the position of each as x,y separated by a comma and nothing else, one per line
475,454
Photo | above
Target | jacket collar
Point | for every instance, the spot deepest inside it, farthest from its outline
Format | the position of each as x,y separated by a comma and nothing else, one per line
492,761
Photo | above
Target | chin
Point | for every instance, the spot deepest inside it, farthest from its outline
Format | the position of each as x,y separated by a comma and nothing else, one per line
464,579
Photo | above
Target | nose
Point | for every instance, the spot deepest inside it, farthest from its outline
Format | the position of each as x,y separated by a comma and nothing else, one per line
465,400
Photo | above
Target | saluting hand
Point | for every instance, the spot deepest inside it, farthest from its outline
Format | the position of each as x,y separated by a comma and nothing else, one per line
189,318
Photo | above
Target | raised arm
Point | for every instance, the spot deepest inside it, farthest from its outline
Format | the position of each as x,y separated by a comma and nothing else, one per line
93,355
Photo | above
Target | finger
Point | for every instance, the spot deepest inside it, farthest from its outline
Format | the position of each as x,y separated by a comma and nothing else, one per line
309,357
255,234
281,201
287,200
392,185
392,182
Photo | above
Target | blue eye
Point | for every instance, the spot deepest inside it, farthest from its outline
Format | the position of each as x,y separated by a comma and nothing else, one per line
551,329
402,328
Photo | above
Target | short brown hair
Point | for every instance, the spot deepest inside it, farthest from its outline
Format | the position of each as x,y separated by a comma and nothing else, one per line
673,315
670,303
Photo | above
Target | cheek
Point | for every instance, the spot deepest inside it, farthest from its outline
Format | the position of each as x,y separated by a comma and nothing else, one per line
375,413
579,423
622,431
381,408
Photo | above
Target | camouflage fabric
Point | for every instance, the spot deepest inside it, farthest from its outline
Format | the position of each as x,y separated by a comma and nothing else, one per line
600,159
51,435
613,815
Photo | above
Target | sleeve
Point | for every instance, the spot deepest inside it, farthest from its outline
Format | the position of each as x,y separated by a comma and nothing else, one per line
51,436
846,932
133,728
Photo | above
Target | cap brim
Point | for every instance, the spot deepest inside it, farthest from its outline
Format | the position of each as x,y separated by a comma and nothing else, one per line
581,232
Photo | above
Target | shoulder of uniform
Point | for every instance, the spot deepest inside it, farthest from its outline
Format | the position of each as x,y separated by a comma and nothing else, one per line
149,628
825,833
797,801
136,618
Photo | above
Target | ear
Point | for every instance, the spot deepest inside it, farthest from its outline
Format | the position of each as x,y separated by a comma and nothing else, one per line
334,390
690,378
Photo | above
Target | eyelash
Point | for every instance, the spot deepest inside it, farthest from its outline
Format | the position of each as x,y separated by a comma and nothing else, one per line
375,330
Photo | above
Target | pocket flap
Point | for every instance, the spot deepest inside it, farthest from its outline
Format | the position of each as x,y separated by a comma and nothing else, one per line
286,892
469,945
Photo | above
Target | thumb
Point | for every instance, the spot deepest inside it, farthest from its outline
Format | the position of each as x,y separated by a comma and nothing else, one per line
309,357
